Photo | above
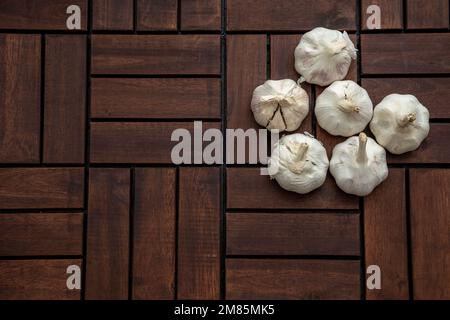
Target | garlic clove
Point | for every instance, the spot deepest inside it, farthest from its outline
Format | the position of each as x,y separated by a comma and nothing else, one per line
299,163
400,123
280,104
358,165
344,108
324,56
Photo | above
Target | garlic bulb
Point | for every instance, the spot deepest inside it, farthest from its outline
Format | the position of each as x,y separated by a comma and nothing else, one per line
358,165
324,56
299,163
280,104
400,123
344,108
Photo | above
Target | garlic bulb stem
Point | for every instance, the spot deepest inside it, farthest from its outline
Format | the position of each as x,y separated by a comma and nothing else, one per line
299,162
362,154
348,106
407,119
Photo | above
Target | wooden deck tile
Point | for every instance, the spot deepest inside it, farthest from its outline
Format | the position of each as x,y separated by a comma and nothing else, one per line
290,15
20,61
65,99
292,234
112,14
430,226
37,279
292,279
40,14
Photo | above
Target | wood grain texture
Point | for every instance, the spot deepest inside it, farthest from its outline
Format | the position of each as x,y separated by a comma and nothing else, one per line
431,92
200,15
391,16
41,234
22,188
112,14
282,67
154,227
20,58
290,14
155,98
292,279
385,236
156,54
430,229
108,234
65,99
434,149
198,234
246,69
156,15
405,53
37,279
39,14
424,14
246,188
139,142
292,234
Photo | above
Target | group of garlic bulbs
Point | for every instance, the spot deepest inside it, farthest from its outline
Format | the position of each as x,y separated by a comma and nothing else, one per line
299,162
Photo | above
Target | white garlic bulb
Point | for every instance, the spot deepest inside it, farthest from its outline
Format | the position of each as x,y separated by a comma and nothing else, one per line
358,165
344,108
324,56
280,104
400,123
299,163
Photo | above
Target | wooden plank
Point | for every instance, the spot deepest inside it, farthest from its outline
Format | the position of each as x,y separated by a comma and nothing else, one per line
292,279
391,13
425,14
198,234
39,14
156,54
65,99
155,98
200,15
282,67
112,14
430,229
130,142
154,228
246,69
292,234
37,279
434,149
385,236
108,234
23,188
20,59
405,53
41,234
157,15
299,15
431,92
246,188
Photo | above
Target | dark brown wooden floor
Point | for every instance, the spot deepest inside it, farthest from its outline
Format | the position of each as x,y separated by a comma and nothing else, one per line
86,176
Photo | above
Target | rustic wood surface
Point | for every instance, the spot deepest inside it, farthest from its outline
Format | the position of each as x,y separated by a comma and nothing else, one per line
86,176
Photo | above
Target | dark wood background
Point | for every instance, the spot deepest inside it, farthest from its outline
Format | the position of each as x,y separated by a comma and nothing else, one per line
85,171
